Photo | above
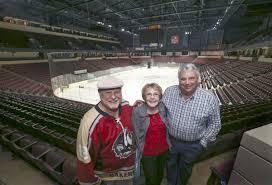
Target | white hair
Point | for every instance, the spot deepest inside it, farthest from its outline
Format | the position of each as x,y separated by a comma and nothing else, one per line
189,67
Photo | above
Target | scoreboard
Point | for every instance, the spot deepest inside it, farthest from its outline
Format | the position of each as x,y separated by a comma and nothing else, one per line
151,36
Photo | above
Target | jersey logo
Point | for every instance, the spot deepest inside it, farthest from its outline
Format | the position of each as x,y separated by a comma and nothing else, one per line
123,146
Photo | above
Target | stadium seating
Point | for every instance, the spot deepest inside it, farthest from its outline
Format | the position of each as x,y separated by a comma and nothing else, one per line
31,40
43,129
53,161
36,71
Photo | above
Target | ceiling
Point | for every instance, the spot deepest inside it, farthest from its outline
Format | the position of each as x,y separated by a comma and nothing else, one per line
132,15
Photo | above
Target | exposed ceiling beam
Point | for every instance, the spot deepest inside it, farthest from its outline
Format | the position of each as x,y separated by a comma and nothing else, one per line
144,7
177,21
173,4
72,6
229,12
184,26
193,11
122,16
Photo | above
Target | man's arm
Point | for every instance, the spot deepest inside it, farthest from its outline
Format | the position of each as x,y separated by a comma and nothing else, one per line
214,123
85,171
86,175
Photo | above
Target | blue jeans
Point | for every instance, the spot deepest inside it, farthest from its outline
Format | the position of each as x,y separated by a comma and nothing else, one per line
182,157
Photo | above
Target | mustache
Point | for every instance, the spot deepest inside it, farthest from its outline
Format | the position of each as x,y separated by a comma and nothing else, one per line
114,101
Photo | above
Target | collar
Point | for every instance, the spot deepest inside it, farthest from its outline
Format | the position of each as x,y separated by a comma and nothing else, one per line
143,109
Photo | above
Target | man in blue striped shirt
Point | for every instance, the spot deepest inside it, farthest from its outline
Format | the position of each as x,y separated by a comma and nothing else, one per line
194,122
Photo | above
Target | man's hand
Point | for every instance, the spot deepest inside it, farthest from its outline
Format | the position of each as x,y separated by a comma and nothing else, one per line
138,103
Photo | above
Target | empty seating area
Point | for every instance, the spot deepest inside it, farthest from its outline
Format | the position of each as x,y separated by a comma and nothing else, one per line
53,120
43,129
13,39
35,71
20,39
179,59
233,82
121,62
238,81
176,59
106,36
92,65
58,164
14,82
199,60
35,78
98,65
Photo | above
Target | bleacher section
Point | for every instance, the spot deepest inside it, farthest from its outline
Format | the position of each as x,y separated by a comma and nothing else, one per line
43,129
238,81
176,59
21,39
21,24
11,81
233,82
36,71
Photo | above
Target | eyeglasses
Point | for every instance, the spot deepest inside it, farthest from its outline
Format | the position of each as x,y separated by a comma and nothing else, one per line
150,95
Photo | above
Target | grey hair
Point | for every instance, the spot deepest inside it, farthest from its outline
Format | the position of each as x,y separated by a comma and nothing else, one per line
189,67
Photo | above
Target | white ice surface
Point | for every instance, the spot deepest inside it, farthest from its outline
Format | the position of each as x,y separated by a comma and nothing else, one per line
134,80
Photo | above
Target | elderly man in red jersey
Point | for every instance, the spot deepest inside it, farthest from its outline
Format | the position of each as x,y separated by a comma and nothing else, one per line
104,142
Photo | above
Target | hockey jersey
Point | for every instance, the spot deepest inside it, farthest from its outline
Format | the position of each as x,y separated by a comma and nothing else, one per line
105,147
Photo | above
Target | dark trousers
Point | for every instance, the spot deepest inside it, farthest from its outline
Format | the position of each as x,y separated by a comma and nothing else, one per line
117,182
153,167
182,156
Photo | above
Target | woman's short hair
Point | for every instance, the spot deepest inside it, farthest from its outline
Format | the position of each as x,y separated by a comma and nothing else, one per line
153,86
189,67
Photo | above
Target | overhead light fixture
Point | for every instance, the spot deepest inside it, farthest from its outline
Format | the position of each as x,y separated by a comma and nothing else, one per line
101,23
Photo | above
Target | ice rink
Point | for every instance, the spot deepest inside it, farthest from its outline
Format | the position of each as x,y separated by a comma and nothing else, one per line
134,80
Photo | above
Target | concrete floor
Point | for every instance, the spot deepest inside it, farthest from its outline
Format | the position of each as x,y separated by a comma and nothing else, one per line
201,171
15,171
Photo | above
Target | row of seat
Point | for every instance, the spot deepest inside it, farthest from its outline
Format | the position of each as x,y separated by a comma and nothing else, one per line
18,107
12,81
35,71
233,87
31,40
51,132
56,105
58,164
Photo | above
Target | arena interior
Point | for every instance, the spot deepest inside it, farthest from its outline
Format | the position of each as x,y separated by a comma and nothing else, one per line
46,47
